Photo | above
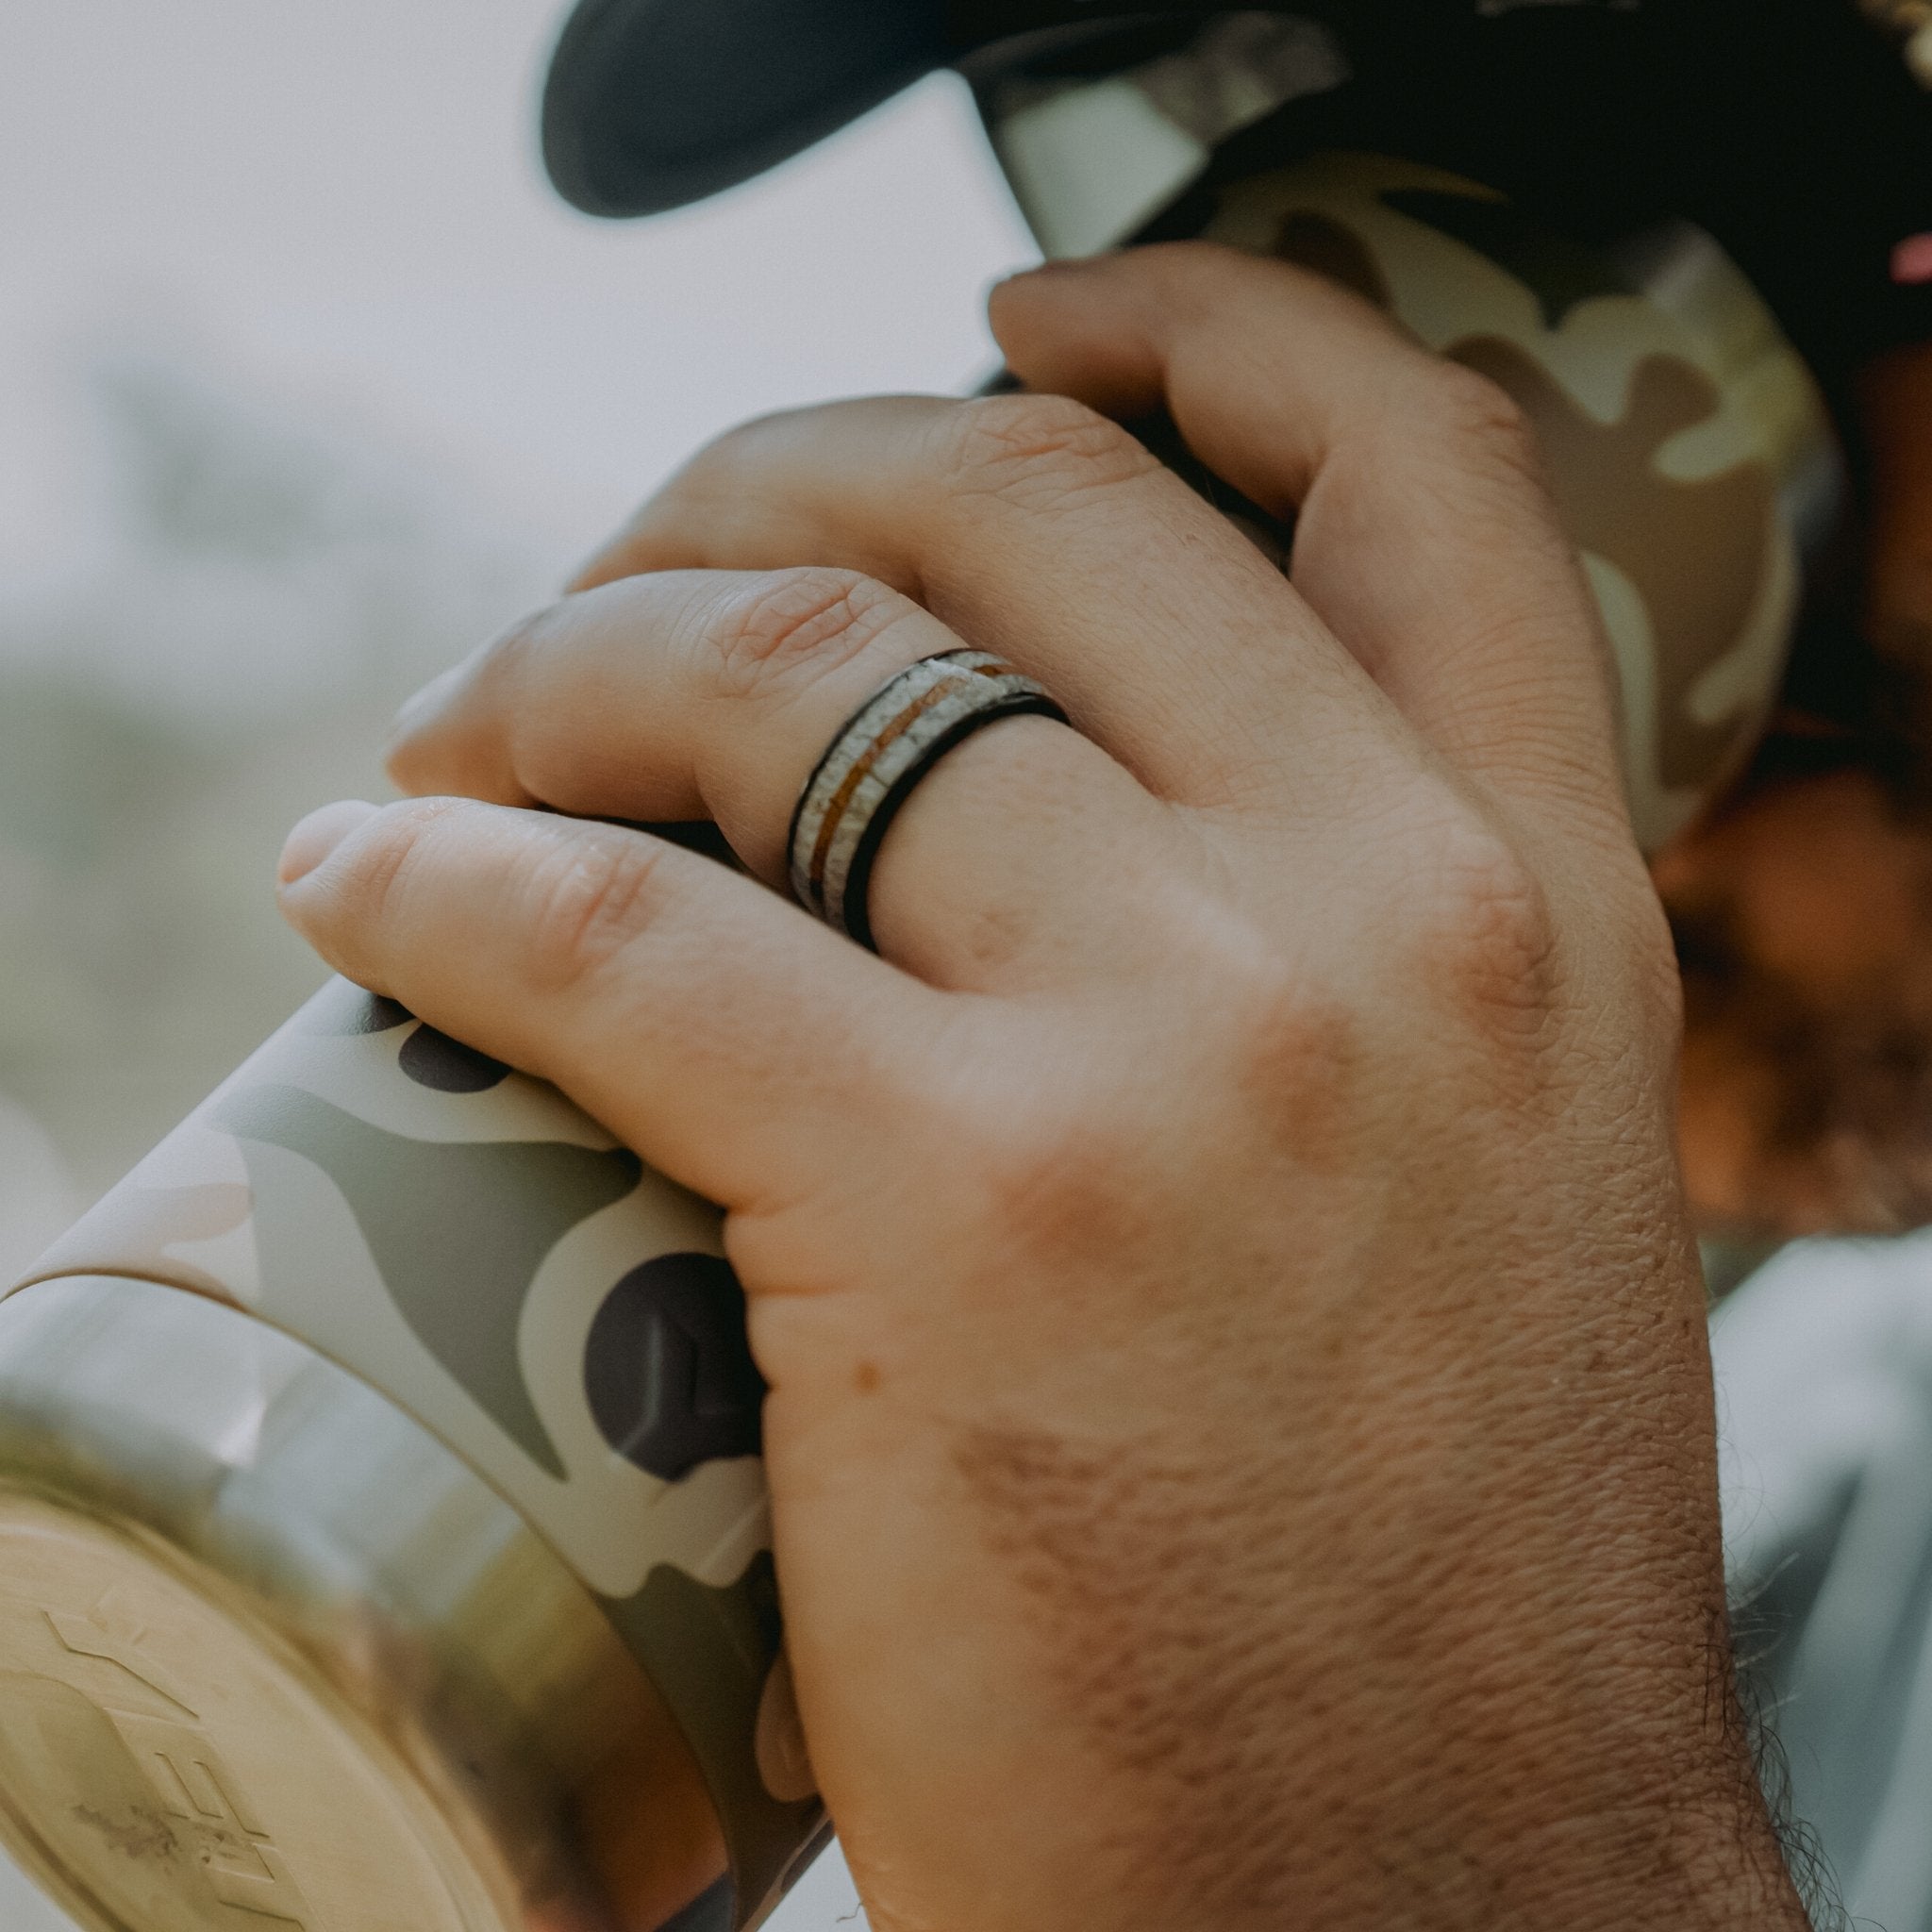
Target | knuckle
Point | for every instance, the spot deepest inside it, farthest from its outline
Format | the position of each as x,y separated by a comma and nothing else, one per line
1053,1162
513,655
507,654
371,869
721,463
416,755
407,762
1038,451
584,900
1486,934
790,625
1273,1014
1289,1038
1064,1179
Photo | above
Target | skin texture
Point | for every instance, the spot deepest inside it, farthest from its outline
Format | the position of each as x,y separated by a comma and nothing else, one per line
1241,1428
1804,908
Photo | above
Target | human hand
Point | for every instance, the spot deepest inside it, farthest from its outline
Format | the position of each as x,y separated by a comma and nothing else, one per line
1240,1427
1804,908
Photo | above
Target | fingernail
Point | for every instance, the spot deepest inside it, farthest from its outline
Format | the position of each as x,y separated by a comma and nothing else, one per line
318,835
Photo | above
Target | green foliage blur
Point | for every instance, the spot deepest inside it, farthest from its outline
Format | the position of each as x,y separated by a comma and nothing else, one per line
265,591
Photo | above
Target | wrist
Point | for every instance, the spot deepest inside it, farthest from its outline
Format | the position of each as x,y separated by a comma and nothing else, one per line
1607,1799
1709,1863
1714,1865
1679,1839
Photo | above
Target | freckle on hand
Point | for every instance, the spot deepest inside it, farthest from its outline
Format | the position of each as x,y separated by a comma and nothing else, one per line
865,1377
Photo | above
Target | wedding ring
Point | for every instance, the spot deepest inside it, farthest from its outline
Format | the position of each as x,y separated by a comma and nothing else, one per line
876,762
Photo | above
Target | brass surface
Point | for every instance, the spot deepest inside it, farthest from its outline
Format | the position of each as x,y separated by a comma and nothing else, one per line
272,1656
173,1770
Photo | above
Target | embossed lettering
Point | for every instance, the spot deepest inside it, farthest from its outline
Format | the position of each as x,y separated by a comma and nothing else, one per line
91,1636
200,1791
195,1787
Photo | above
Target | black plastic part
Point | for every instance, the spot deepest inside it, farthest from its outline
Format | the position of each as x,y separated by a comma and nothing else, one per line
651,104
668,1372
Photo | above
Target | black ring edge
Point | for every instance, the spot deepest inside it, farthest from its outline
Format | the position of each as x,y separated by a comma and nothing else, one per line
838,738
854,912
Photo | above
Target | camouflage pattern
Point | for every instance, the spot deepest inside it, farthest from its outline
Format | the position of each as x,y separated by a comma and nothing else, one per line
1908,23
484,1255
1683,438
1689,449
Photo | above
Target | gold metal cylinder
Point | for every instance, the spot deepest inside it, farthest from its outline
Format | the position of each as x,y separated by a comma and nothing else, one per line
384,1544
270,1652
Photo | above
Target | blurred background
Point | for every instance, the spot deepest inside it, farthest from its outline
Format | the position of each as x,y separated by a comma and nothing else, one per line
308,384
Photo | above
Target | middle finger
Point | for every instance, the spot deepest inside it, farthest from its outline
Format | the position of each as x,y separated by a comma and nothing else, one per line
1040,532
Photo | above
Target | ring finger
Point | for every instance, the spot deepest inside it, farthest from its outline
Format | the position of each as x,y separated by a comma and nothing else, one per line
713,695
1045,532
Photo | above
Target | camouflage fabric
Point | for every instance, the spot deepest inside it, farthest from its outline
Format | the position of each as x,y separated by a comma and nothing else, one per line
486,1256
1687,448
1684,441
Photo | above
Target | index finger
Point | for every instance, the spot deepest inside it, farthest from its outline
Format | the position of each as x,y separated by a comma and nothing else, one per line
739,1045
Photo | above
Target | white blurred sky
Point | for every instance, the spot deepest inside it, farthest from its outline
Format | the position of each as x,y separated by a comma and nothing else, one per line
341,203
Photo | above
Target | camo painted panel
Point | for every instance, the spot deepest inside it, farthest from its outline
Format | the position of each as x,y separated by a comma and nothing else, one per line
485,1255
1684,440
